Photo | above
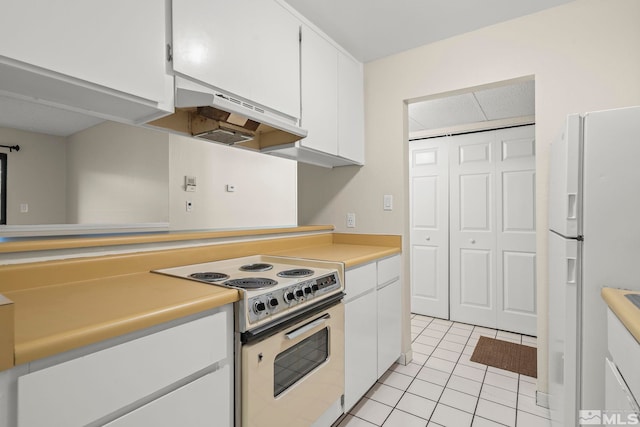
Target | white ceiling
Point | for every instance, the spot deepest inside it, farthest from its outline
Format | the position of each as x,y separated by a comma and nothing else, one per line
372,29
503,102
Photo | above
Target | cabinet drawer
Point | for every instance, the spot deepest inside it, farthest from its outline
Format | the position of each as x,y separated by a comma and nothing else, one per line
625,351
359,280
203,403
85,389
388,269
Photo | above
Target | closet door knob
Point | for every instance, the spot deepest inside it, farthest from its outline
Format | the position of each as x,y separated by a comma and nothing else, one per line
428,238
472,241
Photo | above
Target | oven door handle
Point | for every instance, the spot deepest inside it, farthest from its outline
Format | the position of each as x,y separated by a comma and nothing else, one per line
306,328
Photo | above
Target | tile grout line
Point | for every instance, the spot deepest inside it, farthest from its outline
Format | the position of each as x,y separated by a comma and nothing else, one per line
457,362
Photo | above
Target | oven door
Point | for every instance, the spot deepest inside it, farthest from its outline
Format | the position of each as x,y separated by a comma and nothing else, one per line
292,377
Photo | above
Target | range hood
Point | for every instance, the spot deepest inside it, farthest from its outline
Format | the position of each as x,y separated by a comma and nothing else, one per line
203,112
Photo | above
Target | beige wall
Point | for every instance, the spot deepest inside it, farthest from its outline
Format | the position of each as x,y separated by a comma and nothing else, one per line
584,56
265,187
35,176
117,174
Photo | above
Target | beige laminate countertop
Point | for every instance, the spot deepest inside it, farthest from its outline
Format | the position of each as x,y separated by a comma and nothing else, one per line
54,319
626,311
49,319
350,255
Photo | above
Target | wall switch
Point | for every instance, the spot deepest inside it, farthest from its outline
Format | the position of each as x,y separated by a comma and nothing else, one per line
189,183
231,188
24,207
189,205
351,220
387,202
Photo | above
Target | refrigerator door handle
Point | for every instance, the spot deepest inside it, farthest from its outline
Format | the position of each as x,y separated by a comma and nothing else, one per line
571,270
571,208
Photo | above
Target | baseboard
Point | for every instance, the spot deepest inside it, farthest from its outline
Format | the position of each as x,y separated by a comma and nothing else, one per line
542,399
405,358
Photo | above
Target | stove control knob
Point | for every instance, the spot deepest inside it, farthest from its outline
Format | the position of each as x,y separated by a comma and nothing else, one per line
259,307
289,296
307,290
273,302
299,293
315,288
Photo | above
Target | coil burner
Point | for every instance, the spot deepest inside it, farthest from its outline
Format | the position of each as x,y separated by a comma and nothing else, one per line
209,276
256,267
251,283
296,272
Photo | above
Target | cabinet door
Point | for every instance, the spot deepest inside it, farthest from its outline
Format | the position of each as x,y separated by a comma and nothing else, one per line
360,348
319,64
248,48
117,44
618,397
204,402
389,325
350,109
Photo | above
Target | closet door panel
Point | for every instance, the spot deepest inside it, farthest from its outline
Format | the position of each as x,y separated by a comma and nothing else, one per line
472,229
429,188
516,231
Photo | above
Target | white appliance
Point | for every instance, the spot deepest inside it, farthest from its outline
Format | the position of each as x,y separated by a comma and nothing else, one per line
289,337
594,241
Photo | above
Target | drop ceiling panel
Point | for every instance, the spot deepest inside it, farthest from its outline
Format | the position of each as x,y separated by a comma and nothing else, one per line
445,112
508,101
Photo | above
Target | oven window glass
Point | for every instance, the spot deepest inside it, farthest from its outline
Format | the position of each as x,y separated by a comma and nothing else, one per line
294,363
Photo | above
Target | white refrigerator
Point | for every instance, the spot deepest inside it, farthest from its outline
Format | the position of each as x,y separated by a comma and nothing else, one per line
594,241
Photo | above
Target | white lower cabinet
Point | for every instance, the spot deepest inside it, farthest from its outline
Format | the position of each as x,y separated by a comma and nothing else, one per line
134,382
204,402
622,378
389,324
372,324
360,364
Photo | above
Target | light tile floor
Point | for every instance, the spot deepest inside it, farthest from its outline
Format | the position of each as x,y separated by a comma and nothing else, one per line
443,387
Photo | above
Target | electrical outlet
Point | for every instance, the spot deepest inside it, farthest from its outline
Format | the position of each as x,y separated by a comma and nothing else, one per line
24,207
189,206
351,220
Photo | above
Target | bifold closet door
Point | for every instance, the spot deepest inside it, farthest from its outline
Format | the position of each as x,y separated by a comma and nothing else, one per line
516,230
429,239
473,250
492,229
473,228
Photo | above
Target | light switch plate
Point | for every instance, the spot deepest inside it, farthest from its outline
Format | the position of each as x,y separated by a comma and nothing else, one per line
189,183
387,202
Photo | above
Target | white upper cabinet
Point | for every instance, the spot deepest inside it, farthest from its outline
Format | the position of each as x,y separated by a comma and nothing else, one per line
332,99
104,58
319,64
246,48
350,109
